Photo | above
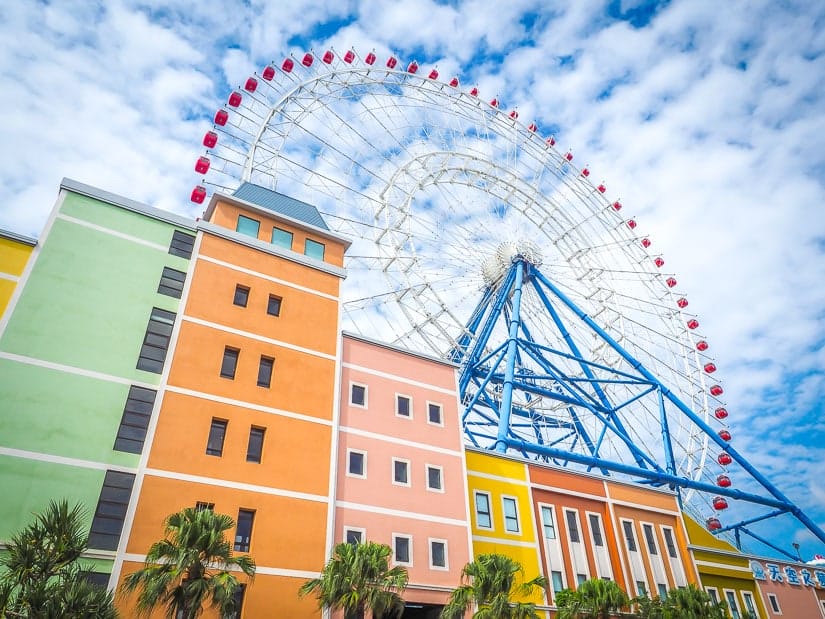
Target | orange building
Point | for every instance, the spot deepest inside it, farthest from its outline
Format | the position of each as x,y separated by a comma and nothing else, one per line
245,413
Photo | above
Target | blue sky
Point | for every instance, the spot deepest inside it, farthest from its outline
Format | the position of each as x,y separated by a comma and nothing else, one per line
707,119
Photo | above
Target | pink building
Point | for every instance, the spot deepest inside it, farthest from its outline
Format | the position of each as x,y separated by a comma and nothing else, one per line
790,589
401,472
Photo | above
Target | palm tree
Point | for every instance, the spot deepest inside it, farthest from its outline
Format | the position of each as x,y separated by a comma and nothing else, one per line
491,582
41,573
692,603
594,599
190,567
358,578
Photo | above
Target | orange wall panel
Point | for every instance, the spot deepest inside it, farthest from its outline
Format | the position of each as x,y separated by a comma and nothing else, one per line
306,319
301,382
295,453
287,532
568,481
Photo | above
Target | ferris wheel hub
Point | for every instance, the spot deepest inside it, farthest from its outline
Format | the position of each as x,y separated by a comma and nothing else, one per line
496,266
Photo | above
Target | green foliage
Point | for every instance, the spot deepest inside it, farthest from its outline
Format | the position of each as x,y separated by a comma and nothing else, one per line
692,603
190,567
491,582
594,599
42,576
357,579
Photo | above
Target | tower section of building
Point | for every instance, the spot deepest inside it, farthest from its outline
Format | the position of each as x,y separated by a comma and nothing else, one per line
245,420
401,476
74,400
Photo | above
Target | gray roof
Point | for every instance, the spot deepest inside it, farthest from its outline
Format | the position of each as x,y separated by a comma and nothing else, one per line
281,204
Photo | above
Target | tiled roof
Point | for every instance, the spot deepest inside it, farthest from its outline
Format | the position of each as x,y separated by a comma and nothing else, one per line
281,204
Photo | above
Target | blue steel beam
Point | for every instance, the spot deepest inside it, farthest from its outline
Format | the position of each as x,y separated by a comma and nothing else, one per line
507,393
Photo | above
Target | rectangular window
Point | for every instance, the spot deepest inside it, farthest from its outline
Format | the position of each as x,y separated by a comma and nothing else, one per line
156,341
171,282
572,526
510,515
483,516
434,478
774,602
265,371
237,599
400,472
403,406
248,226
596,529
255,446
713,594
217,432
671,546
548,521
581,579
558,582
314,249
358,395
662,591
435,414
628,535
282,238
110,512
650,539
641,587
273,306
229,362
98,579
353,536
730,596
135,420
181,244
356,463
241,297
438,553
401,547
243,533
749,605
202,506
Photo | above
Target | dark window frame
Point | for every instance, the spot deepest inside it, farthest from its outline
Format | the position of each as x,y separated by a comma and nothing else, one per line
510,518
405,467
257,223
408,549
244,542
134,423
488,513
434,406
255,444
350,462
156,340
171,282
266,367
571,519
230,354
443,544
215,441
352,391
595,523
110,512
280,244
315,245
629,535
401,408
181,244
241,296
274,304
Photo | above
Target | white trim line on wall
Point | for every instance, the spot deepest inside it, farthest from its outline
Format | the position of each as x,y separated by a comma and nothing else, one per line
259,569
399,379
376,509
115,233
506,542
64,460
513,482
399,441
9,277
59,367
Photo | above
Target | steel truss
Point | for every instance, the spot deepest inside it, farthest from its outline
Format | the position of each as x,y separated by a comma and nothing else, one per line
501,383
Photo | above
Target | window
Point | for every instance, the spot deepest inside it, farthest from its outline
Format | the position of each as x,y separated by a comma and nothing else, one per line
241,296
438,554
435,414
282,238
356,463
135,420
156,341
353,536
749,605
558,582
581,579
548,522
98,579
596,529
230,362
434,478
403,406
314,249
358,395
730,596
401,547
713,594
243,532
483,517
572,526
248,226
662,591
774,602
669,543
265,371
510,515
171,282
217,432
273,306
641,587
181,244
202,506
110,512
237,601
650,539
628,535
400,472
255,445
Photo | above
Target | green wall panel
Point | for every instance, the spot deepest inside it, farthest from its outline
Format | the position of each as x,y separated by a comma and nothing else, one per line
63,414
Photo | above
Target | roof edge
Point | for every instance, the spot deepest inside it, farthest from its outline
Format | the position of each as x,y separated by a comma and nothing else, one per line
396,348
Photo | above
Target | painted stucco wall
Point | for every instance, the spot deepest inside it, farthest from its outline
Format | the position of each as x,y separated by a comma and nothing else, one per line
14,254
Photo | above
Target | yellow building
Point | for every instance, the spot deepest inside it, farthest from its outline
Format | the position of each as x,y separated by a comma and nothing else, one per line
14,255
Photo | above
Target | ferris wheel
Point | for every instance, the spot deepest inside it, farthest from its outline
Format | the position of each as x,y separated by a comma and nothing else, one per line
478,239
